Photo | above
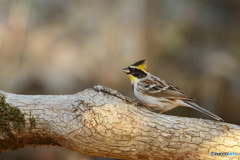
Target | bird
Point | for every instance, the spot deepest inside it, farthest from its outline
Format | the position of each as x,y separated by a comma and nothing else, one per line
156,93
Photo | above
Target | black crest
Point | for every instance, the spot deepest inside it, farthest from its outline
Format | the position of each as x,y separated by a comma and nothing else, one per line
139,63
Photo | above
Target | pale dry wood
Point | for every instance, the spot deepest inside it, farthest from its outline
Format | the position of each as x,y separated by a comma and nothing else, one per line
102,122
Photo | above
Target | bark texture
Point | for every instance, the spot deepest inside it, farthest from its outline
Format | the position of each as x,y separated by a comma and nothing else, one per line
102,122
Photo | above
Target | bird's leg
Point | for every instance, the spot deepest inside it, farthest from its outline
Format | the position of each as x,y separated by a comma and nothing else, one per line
149,106
161,112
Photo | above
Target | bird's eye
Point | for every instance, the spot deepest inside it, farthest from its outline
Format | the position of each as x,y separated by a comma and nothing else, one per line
134,71
138,73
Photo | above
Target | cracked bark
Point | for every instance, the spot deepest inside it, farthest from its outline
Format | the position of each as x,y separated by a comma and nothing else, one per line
102,122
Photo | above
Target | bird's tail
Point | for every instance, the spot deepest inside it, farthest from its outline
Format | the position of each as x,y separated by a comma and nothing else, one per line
200,109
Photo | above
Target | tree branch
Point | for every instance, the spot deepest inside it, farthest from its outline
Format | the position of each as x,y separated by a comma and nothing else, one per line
102,122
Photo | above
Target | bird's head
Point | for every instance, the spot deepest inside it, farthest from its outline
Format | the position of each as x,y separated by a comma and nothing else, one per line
136,71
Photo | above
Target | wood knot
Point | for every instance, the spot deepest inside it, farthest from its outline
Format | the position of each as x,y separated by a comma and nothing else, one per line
114,93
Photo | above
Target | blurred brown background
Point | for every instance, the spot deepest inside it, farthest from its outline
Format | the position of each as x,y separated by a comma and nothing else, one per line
66,46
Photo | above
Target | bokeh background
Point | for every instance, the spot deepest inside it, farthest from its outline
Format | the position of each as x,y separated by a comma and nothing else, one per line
66,46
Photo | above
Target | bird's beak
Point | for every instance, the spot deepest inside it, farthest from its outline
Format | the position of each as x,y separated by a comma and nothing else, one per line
126,70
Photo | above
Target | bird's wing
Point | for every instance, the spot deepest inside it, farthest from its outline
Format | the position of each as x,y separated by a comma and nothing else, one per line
157,87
